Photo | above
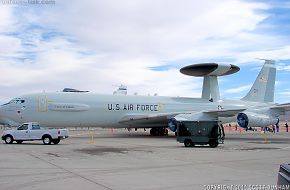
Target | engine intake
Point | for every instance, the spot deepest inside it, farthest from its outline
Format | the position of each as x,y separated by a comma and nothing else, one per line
172,124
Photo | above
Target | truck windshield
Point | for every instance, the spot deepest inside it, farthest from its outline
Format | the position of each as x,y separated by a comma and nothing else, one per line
23,127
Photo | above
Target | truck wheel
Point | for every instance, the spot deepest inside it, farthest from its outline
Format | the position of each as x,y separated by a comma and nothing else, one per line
19,142
56,141
46,140
8,139
188,143
213,143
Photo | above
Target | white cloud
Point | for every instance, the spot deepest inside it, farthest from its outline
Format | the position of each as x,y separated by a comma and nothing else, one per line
6,18
238,89
275,53
287,93
279,83
105,43
10,46
284,67
164,30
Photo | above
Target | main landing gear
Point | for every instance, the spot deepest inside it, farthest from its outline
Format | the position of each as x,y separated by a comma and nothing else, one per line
158,131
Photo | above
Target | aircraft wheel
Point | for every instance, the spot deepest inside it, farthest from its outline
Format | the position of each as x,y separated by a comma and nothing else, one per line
188,143
162,131
165,132
213,143
158,131
8,139
152,132
46,140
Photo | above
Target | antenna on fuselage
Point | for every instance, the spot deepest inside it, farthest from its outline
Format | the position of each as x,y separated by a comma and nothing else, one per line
210,73
122,90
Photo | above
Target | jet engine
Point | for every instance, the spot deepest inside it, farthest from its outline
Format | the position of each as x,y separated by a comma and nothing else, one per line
250,119
172,124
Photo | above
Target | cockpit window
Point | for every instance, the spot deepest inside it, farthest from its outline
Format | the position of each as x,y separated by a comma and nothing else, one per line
15,101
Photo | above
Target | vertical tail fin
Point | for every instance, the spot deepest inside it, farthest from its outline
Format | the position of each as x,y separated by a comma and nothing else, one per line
264,86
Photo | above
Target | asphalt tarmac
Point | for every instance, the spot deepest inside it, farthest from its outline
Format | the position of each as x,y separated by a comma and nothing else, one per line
122,160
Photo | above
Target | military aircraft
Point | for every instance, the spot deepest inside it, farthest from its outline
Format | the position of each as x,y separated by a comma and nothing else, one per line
75,108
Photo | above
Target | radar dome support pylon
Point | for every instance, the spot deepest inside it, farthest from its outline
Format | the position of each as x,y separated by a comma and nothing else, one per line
210,73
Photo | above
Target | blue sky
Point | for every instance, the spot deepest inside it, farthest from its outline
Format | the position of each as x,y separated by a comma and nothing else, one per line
142,44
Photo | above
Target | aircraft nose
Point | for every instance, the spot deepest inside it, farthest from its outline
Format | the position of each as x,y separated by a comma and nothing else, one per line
5,119
1,114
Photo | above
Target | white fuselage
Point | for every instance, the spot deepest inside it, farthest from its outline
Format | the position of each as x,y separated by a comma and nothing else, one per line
71,109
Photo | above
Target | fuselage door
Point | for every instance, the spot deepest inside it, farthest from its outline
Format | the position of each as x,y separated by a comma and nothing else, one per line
42,103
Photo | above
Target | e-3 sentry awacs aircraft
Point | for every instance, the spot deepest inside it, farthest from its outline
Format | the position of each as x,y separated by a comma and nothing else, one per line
84,109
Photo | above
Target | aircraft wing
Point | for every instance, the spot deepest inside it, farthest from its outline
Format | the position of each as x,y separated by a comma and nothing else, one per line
147,120
209,115
281,107
161,119
225,112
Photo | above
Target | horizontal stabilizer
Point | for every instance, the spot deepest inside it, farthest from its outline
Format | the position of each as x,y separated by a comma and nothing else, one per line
281,107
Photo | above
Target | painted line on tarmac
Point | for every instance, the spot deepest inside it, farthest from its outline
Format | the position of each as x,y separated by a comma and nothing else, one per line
288,147
80,134
71,172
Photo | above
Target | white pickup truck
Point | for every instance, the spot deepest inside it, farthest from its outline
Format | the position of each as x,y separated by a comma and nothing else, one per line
33,131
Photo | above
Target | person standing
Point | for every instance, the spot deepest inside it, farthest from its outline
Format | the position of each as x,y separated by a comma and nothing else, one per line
286,125
277,127
273,128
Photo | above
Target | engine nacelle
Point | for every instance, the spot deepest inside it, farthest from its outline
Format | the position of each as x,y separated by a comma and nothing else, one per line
250,119
172,124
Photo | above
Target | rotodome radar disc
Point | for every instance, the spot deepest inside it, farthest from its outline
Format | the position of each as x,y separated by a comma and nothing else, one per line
209,69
